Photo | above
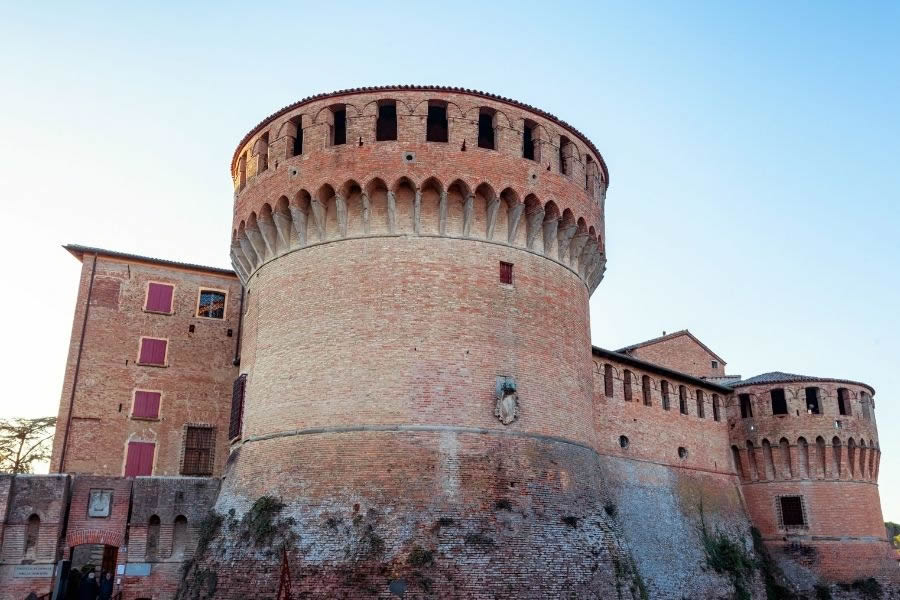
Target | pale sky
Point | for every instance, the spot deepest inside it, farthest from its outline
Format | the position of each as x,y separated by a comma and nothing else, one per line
752,152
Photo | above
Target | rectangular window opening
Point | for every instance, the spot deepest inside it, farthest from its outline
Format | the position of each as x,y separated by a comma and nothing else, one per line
701,409
682,400
715,364
812,400
211,304
146,405
436,126
626,384
386,124
792,515
506,273
563,151
664,390
645,385
486,130
339,129
153,352
528,140
159,298
298,139
746,407
843,403
779,402
238,390
199,451
716,409
608,380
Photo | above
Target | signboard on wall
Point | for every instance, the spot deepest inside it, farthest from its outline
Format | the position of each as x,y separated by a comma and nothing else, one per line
137,569
33,571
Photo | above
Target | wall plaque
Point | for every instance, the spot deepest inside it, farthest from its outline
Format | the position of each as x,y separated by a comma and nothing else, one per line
99,503
33,571
137,569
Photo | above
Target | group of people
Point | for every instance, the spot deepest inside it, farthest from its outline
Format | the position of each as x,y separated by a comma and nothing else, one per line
86,587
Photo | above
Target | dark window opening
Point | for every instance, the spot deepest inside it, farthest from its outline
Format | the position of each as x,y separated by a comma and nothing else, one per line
792,515
588,168
212,304
436,127
237,406
664,390
262,150
682,399
151,549
700,408
717,415
715,364
843,402
506,273
32,534
623,441
528,141
812,400
682,452
386,124
779,402
199,451
563,150
298,139
626,385
864,405
339,129
746,407
486,130
645,385
608,380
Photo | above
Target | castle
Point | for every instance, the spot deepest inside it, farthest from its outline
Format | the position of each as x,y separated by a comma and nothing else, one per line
394,394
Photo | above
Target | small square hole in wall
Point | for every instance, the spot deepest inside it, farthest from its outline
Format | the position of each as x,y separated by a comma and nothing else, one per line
506,273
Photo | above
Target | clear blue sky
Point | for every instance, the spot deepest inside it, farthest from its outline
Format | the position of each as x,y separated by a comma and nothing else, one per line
753,153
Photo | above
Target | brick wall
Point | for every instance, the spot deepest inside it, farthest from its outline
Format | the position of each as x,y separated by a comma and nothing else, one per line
681,353
195,386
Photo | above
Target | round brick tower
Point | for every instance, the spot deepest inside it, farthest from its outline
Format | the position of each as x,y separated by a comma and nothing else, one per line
807,453
417,264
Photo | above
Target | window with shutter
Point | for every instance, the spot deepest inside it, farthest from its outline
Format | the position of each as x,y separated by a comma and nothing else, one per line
506,273
159,298
199,451
237,406
153,351
139,459
146,405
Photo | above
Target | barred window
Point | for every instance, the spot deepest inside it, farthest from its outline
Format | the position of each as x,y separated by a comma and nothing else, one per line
237,406
211,304
792,513
199,451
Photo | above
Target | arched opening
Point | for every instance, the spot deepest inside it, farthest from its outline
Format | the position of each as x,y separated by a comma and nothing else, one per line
736,459
682,400
717,409
751,460
296,143
786,458
645,388
700,404
262,153
179,536
664,392
803,450
337,125
769,460
152,548
836,456
94,558
608,380
821,473
32,533
626,385
242,171
862,459
565,155
851,456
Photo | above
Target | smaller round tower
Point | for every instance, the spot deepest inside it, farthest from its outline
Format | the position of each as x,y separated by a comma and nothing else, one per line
807,452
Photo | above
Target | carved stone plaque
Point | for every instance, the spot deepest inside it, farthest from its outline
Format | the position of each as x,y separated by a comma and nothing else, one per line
507,409
99,503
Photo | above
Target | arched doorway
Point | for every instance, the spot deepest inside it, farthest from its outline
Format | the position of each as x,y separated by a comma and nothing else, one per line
94,550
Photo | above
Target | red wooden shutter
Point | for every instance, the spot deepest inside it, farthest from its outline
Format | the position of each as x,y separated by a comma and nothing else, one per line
153,351
139,460
146,404
506,273
159,297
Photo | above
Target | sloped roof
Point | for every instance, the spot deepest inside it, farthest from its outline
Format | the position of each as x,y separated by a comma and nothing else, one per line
665,338
78,251
782,377
658,369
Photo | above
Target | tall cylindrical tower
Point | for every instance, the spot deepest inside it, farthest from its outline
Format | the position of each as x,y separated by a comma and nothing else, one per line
417,264
807,451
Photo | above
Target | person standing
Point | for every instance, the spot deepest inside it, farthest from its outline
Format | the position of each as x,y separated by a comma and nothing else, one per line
106,586
89,588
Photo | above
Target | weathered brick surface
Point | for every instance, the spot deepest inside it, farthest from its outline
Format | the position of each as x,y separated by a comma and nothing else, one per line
195,386
682,352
